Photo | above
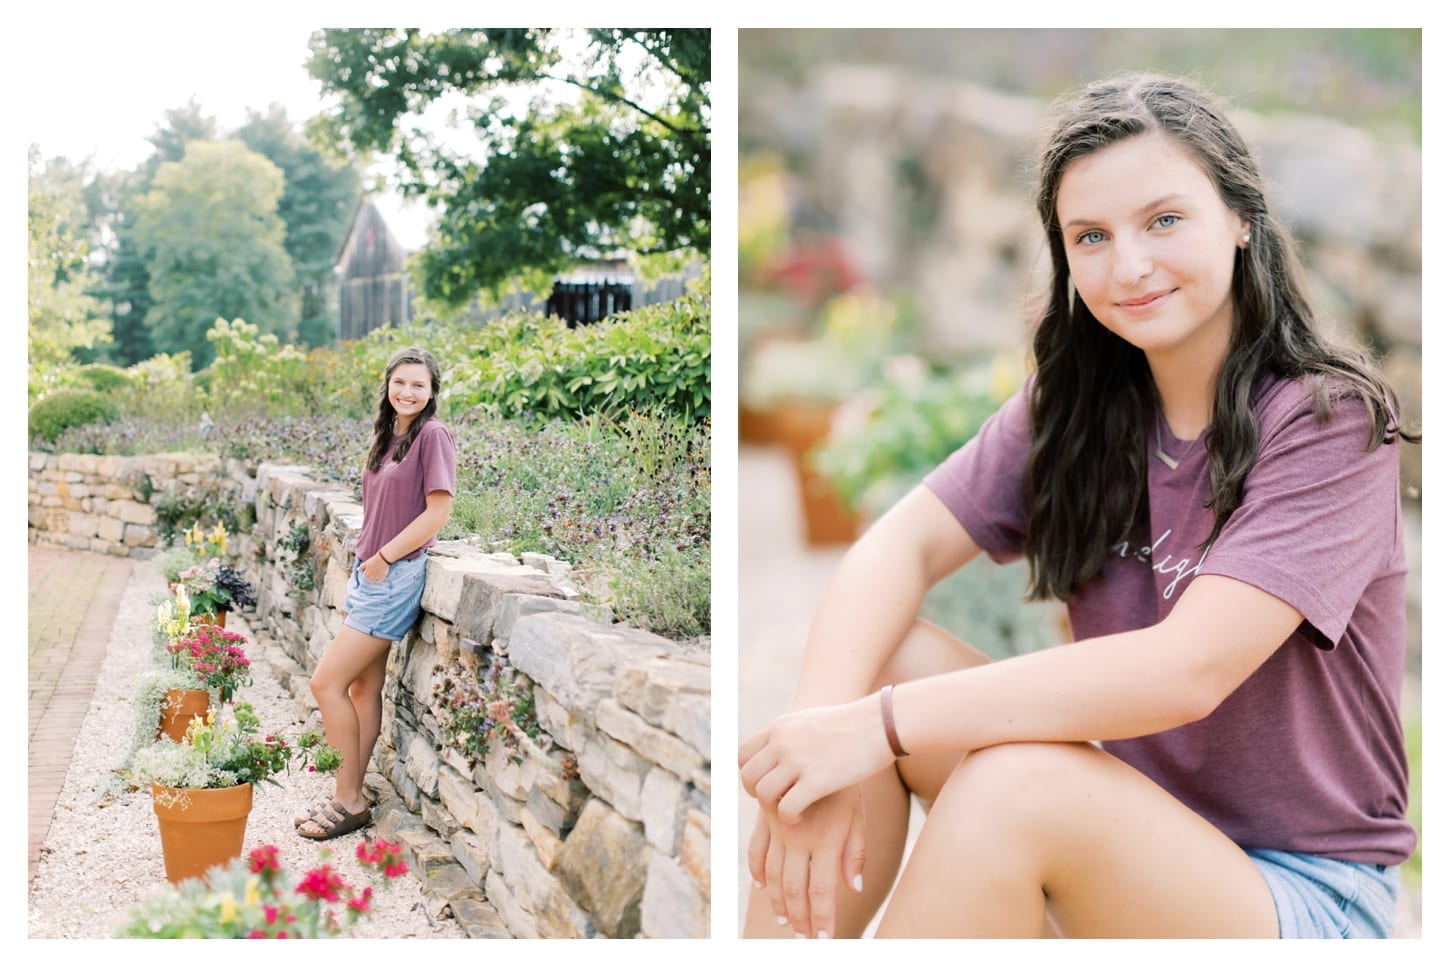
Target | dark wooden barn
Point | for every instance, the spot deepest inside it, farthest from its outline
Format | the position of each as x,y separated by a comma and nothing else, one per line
372,286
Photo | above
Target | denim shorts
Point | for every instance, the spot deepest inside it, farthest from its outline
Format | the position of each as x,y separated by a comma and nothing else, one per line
1317,897
387,608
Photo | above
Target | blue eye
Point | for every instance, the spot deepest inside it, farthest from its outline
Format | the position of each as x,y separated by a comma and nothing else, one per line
1166,221
1092,237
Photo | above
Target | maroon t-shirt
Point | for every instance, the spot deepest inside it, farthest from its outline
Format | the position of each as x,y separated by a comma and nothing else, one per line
398,492
1307,755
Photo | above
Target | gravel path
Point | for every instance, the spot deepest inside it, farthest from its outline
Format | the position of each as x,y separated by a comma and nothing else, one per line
103,853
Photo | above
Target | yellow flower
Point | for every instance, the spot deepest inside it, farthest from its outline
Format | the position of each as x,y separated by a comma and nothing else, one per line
254,895
229,908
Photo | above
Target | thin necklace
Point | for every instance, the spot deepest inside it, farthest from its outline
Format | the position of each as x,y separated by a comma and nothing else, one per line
1159,452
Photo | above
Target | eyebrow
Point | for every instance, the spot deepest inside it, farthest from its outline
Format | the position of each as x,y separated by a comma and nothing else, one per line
1155,203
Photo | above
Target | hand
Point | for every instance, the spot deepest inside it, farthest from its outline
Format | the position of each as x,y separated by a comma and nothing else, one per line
375,569
813,752
798,864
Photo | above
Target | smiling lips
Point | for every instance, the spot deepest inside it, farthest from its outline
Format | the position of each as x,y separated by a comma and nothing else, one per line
1150,301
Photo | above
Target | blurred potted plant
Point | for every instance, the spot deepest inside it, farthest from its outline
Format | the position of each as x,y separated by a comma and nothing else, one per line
889,437
803,383
255,898
201,789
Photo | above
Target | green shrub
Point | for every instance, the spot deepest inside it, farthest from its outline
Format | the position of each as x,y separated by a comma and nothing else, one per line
537,368
670,596
67,408
104,378
902,428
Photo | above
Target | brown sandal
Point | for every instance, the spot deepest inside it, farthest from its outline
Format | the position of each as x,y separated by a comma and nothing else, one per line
314,812
335,821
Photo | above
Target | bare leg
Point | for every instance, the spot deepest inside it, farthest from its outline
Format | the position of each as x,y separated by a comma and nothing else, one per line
350,658
367,700
1028,829
926,650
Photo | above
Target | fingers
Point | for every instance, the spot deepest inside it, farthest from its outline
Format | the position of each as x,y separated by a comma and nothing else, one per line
794,880
755,851
821,896
853,855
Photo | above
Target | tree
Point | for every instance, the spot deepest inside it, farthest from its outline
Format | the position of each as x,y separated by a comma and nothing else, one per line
213,244
62,316
317,205
622,166
126,286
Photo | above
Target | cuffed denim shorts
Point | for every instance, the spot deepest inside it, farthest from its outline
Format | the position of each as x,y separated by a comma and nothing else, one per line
1317,897
386,608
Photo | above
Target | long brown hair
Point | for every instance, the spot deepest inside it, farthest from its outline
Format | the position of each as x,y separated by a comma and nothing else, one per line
1093,395
383,422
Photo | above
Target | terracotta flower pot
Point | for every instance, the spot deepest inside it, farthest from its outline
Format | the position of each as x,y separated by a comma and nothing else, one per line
177,711
827,519
217,619
200,828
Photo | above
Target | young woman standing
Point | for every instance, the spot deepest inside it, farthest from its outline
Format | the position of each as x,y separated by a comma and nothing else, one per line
408,486
1213,489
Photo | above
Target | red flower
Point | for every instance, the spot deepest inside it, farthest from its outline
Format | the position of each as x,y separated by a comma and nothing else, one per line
322,883
264,858
362,904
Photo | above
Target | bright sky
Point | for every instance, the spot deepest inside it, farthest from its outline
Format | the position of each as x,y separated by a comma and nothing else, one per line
101,92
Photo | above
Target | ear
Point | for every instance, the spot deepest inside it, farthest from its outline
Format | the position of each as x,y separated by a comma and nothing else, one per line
1245,231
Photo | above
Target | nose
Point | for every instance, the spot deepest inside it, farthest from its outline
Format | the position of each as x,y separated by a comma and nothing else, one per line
1131,261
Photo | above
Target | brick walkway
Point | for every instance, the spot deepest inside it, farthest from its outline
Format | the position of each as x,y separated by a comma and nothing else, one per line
72,604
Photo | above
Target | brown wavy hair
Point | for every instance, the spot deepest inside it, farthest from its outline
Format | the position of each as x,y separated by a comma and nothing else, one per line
1093,394
383,422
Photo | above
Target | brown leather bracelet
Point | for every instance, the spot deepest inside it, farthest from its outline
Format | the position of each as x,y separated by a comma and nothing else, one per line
889,721
385,560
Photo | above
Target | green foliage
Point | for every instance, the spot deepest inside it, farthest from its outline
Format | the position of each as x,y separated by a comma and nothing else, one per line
67,408
1414,746
162,388
669,595
612,152
886,441
317,206
889,436
254,371
181,508
214,246
104,378
536,367
478,710
63,316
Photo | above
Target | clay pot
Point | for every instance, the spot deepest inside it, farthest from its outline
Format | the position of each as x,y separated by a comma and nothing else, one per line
200,828
217,619
827,519
177,711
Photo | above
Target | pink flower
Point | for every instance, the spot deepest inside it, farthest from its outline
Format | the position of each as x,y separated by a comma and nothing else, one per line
264,858
321,884
362,904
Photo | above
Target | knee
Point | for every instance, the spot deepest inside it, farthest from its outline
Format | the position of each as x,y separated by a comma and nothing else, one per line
1013,783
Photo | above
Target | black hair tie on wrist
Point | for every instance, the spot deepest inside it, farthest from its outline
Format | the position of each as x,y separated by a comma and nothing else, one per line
385,560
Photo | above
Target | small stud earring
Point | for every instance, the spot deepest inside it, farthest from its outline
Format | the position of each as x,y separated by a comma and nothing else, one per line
1246,238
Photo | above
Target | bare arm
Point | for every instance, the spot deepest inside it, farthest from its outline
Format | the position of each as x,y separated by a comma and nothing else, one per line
876,594
1117,686
435,514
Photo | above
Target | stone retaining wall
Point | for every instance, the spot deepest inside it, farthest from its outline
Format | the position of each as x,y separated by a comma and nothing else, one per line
598,827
